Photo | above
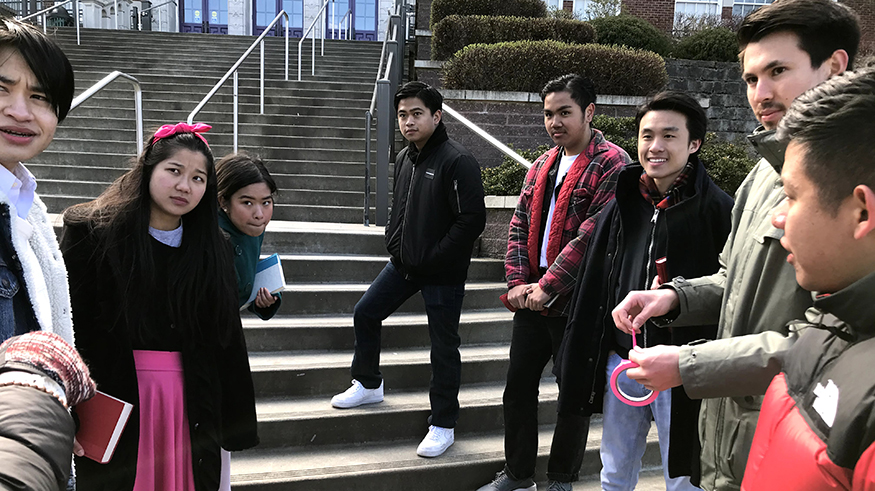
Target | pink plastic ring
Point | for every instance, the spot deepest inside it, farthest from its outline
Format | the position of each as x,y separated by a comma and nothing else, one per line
627,399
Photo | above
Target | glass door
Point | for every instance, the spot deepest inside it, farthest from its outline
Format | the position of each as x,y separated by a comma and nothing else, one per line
209,16
364,19
266,10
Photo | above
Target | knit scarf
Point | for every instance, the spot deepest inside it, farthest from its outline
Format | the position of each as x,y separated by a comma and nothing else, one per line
554,241
651,193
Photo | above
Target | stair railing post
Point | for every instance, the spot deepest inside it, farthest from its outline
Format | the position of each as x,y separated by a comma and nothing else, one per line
393,53
400,39
236,85
384,137
78,42
262,76
287,46
115,4
367,211
138,112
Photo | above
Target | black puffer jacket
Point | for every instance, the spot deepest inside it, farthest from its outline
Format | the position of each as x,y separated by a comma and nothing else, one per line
437,211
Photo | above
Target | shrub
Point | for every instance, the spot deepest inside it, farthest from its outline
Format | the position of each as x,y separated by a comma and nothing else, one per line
528,65
728,163
712,44
456,31
628,30
619,131
516,8
507,178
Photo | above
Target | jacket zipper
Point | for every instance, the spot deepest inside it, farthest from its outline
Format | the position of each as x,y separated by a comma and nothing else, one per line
598,358
406,211
458,202
649,262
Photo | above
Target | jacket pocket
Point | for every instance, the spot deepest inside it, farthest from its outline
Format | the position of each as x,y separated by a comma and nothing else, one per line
737,443
581,199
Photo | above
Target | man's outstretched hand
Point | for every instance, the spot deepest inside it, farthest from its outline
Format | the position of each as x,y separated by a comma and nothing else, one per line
638,306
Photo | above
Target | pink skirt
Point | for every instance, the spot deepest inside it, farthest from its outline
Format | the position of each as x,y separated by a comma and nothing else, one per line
164,458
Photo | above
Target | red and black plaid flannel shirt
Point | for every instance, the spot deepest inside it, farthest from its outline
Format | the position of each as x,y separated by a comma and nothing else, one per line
592,192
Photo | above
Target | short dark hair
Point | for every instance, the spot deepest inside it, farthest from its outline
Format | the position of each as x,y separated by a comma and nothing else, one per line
833,122
822,26
238,170
426,93
46,60
670,100
581,89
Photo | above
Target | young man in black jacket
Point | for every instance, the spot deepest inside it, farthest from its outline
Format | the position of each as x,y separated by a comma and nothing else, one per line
437,213
666,206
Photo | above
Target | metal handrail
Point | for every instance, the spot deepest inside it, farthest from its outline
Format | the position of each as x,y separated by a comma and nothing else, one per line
47,9
233,70
138,99
380,65
486,136
156,6
321,15
348,18
143,13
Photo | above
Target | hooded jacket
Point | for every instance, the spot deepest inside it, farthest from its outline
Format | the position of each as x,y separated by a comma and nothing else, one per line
816,429
689,234
438,211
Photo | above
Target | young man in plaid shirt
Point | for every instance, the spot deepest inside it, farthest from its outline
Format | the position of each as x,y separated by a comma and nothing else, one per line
563,193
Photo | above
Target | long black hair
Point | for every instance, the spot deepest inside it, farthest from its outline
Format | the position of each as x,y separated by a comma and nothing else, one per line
201,282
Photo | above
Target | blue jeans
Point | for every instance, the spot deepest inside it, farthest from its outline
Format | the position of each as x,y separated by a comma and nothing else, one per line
624,435
443,306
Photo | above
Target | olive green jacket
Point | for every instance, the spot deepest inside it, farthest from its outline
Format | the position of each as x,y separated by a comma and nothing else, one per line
752,298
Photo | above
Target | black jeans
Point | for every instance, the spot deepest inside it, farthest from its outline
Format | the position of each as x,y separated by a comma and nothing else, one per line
443,306
535,340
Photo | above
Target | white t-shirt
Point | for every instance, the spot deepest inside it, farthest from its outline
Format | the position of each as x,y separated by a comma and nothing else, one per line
564,165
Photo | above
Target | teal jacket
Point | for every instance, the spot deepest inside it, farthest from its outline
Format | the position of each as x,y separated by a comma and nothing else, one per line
246,251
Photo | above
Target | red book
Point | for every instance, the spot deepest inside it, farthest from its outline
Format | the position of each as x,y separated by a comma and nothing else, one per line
101,422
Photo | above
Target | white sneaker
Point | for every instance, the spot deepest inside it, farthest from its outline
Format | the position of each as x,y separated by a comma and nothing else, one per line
357,395
436,442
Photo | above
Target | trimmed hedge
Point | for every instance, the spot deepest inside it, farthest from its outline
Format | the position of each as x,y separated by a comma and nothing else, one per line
526,66
457,31
516,8
712,44
507,178
631,31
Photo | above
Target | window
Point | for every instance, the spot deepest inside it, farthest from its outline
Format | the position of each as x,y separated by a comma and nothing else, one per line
741,8
696,8
295,9
365,15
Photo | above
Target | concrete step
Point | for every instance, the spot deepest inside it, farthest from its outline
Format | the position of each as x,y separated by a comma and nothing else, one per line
286,237
321,268
312,422
323,373
471,462
316,298
400,331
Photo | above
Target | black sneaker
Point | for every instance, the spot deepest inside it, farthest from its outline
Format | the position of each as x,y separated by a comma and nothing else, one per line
503,482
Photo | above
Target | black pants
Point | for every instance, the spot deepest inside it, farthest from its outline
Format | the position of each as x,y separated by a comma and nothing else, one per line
443,306
535,340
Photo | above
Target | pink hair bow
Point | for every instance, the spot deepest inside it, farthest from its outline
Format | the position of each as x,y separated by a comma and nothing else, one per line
174,129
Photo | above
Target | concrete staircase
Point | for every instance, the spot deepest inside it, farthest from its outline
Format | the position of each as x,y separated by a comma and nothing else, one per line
312,135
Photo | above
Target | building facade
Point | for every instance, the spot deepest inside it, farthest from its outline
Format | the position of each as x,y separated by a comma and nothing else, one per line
365,18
